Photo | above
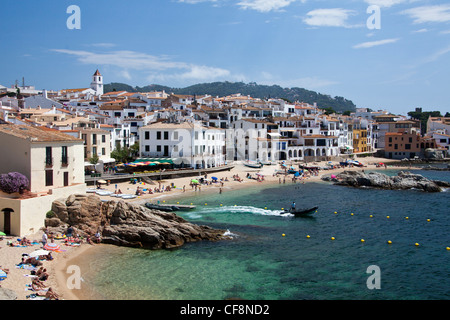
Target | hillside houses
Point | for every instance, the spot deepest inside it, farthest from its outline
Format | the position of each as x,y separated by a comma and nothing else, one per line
254,129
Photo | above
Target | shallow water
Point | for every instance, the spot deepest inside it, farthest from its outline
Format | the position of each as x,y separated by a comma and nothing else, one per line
271,257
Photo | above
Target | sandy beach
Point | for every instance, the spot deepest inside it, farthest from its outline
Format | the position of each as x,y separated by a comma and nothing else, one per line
17,279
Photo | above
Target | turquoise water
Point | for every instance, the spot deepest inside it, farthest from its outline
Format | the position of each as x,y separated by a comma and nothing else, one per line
262,264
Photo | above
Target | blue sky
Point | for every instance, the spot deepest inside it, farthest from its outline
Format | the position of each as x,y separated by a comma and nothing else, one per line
321,45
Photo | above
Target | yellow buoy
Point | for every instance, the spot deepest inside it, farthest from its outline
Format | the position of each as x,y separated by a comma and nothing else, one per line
235,205
332,238
282,208
416,244
283,235
308,236
389,242
265,208
448,248
371,216
428,220
178,202
388,217
406,218
164,200
220,204
191,203
362,240
206,204
335,212
351,213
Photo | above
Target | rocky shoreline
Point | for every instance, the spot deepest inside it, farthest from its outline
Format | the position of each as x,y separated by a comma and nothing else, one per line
126,224
403,181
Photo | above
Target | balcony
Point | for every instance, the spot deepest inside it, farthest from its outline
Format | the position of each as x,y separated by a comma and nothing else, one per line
49,162
65,162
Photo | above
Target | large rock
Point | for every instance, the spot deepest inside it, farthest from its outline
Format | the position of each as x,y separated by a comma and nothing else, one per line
127,224
404,180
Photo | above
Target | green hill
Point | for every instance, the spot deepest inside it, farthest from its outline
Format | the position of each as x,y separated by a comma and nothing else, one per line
252,89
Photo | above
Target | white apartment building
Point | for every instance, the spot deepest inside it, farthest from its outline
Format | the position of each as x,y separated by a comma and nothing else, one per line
188,144
54,165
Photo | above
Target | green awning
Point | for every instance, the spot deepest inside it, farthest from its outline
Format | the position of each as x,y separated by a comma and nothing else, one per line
155,160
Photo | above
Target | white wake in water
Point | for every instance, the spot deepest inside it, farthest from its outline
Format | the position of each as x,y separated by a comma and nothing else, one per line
244,209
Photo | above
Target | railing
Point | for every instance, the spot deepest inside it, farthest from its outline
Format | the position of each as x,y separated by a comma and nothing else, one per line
49,162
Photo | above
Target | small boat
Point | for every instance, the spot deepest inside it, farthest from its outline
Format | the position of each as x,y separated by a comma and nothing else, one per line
161,207
302,212
253,165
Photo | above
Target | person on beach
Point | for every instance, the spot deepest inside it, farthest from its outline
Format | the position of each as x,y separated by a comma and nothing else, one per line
44,238
98,236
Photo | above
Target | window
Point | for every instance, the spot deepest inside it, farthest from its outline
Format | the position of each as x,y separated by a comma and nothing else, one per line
158,135
166,135
175,135
147,135
147,148
48,178
94,151
158,148
407,146
103,138
94,139
103,151
64,159
48,156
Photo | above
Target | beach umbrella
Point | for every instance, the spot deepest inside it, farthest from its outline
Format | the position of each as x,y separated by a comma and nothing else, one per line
3,275
214,178
194,181
38,253
2,234
102,182
52,246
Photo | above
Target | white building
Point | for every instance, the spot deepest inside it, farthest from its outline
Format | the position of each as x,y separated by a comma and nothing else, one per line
54,165
189,144
97,83
41,101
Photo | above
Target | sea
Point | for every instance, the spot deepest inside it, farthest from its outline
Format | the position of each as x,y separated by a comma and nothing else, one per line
361,244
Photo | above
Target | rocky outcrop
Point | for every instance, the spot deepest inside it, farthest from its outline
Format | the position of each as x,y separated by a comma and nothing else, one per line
126,224
403,181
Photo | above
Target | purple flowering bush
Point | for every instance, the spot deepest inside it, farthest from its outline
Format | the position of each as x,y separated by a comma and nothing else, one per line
13,182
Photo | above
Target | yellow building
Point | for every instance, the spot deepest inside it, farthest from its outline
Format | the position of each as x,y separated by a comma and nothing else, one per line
360,139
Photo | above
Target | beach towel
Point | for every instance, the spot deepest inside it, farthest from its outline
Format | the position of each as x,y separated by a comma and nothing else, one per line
35,297
26,267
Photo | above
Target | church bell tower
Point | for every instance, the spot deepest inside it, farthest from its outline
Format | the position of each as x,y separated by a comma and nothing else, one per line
97,83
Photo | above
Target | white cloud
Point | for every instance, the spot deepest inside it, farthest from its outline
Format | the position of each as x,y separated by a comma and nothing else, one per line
155,67
385,3
265,5
371,44
328,17
435,56
424,14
